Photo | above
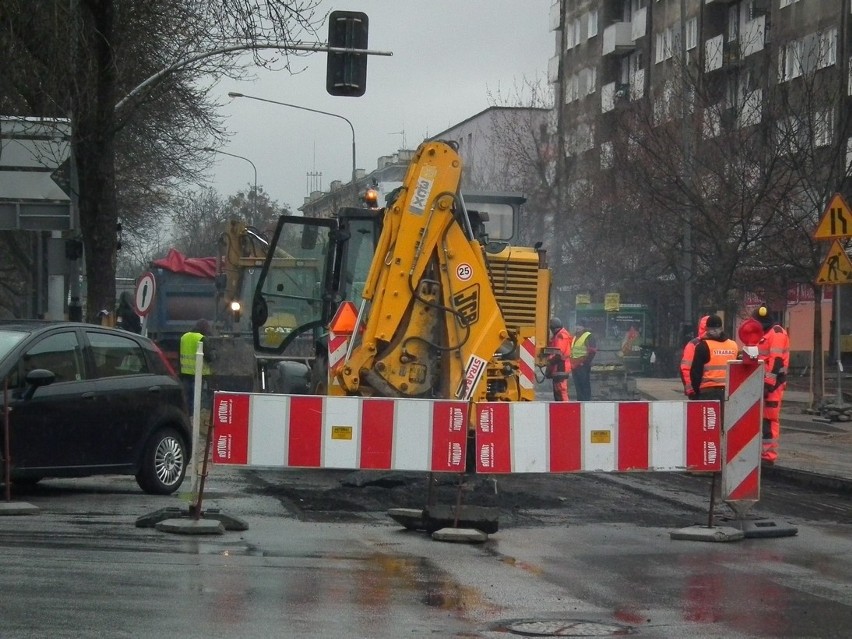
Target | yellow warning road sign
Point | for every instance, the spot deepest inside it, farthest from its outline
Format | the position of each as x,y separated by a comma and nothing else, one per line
837,268
836,222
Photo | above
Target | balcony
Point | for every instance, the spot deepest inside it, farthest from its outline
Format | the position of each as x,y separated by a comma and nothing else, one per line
719,2
639,24
617,39
608,97
637,84
553,70
713,53
555,16
753,36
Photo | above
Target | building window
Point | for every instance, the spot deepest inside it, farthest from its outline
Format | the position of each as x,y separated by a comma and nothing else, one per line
691,34
577,29
592,77
790,61
712,122
569,35
848,155
659,48
827,48
823,127
606,155
733,22
593,23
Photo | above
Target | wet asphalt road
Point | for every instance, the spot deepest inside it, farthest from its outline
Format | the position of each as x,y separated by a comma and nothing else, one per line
321,559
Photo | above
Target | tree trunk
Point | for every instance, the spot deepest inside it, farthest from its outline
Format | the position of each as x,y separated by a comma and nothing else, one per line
94,134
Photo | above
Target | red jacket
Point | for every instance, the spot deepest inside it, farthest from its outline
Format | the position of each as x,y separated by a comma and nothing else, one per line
688,357
560,363
774,350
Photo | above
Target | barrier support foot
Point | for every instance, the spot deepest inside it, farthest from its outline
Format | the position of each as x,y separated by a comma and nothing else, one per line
757,528
182,520
716,534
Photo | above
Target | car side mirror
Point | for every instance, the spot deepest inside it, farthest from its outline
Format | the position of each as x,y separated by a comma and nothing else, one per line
36,378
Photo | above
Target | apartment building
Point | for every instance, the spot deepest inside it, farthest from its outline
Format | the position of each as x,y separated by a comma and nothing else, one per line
616,53
495,146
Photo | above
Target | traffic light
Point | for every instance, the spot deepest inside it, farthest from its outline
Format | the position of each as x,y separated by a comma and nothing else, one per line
346,73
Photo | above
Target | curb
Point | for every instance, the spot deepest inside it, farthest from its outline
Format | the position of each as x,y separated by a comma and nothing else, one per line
808,479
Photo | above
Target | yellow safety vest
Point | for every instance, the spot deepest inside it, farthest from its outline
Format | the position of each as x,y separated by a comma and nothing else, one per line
188,347
579,348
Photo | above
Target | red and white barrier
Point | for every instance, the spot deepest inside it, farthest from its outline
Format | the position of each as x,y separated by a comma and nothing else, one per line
527,363
337,345
569,437
301,431
743,418
297,431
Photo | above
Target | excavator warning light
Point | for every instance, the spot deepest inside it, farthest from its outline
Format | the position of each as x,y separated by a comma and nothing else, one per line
343,322
235,310
371,198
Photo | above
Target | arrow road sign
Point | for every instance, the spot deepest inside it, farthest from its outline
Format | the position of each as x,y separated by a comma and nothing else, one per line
836,222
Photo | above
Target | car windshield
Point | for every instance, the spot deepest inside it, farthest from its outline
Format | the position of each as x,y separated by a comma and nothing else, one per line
8,341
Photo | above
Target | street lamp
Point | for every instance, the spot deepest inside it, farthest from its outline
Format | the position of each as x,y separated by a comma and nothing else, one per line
254,168
296,106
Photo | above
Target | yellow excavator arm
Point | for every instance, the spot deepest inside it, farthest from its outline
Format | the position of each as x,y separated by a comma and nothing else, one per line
433,323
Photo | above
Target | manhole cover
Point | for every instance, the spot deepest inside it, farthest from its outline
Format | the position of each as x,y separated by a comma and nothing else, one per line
564,628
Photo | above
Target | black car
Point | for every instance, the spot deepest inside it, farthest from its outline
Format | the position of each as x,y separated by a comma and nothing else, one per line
91,400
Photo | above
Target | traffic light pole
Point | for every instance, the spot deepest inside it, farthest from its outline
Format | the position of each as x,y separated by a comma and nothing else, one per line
295,46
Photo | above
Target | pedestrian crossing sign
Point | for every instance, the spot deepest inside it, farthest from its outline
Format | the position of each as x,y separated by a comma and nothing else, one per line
836,268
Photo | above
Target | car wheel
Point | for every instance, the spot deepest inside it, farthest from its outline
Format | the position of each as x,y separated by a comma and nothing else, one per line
164,463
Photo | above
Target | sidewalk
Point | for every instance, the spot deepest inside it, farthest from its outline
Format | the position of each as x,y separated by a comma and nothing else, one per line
811,450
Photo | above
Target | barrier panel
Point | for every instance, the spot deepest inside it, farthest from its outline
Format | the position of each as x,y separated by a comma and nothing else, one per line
527,363
742,443
308,431
570,437
337,345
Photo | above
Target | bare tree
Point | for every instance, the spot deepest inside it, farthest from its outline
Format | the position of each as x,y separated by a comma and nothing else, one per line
154,52
524,158
813,124
689,180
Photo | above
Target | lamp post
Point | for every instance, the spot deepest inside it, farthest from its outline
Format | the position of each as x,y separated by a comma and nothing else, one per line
296,106
254,168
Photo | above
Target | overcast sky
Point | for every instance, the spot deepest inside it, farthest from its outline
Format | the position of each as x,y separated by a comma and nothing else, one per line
448,55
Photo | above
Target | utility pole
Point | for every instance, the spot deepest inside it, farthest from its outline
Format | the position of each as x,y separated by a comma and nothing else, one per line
686,170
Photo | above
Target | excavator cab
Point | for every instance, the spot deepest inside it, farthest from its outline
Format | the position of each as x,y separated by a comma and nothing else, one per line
341,249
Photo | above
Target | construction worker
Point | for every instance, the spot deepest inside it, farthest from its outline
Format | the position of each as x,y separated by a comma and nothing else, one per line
774,350
188,347
559,364
708,373
583,350
686,358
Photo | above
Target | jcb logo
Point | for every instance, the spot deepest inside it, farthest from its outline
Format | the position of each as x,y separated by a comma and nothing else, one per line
466,302
420,199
